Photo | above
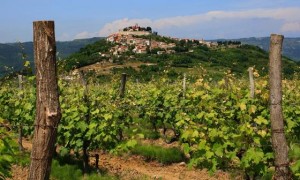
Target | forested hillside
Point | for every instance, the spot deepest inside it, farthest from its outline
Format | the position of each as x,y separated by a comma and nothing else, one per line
291,46
12,54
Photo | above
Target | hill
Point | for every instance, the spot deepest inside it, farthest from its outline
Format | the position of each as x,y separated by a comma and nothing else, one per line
11,53
291,46
165,54
172,57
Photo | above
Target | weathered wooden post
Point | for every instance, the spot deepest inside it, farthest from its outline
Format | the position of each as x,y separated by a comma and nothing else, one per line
122,95
279,143
252,86
184,85
123,85
97,161
86,143
48,112
21,148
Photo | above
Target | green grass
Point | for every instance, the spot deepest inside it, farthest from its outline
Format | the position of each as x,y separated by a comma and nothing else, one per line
67,172
22,159
144,128
162,155
73,172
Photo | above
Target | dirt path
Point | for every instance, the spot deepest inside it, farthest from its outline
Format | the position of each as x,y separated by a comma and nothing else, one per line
134,167
130,167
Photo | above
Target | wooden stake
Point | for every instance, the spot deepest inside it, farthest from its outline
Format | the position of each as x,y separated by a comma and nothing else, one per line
123,84
252,86
86,143
184,85
20,138
279,143
48,112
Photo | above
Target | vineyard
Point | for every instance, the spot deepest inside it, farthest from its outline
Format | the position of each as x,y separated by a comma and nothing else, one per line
229,123
217,123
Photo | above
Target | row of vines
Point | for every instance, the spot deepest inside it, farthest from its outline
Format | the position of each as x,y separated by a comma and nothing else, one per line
217,123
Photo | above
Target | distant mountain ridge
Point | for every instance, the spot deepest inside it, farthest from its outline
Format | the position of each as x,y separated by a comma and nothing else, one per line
291,46
11,53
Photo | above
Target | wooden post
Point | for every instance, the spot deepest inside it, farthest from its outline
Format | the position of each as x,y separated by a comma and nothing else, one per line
252,86
48,112
279,143
226,82
123,84
97,161
184,85
122,95
21,148
86,143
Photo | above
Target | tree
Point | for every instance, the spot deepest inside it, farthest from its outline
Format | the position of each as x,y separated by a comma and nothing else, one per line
149,29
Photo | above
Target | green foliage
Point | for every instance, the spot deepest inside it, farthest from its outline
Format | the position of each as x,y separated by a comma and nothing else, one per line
216,123
22,158
12,53
87,55
162,155
294,155
182,62
290,45
18,105
7,151
188,54
62,171
67,172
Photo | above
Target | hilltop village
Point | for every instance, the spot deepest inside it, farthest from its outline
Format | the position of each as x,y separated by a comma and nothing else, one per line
142,46
138,40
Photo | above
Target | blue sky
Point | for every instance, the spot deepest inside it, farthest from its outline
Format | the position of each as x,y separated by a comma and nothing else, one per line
210,19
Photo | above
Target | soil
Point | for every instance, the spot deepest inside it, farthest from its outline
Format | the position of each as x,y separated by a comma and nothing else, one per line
106,67
134,167
129,167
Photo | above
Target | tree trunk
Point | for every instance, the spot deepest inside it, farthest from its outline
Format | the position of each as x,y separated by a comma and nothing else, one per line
47,103
279,143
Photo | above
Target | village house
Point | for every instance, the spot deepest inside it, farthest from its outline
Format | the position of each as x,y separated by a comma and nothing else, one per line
129,37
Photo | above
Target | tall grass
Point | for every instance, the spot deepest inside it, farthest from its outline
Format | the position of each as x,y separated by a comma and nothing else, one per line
73,172
162,155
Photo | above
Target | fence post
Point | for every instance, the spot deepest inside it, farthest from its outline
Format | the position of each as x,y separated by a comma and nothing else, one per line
48,112
226,82
21,148
184,85
279,143
252,86
122,95
86,143
123,84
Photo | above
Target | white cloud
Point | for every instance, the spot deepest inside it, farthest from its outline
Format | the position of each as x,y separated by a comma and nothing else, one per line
64,37
286,17
291,27
115,26
84,35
